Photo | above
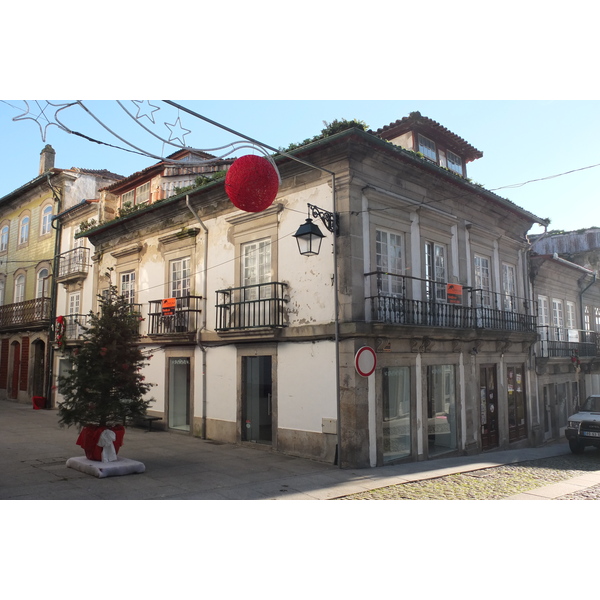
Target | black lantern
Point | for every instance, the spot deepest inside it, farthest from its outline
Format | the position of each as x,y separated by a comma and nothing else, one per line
309,238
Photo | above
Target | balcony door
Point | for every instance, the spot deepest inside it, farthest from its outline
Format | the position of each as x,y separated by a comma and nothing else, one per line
256,271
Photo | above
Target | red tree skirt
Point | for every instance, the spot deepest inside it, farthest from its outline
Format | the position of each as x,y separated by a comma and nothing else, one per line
89,436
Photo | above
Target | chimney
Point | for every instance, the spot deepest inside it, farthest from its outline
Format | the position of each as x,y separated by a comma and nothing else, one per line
47,158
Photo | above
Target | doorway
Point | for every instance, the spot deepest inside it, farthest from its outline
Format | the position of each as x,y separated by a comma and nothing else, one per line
257,394
16,369
39,371
179,393
517,417
489,407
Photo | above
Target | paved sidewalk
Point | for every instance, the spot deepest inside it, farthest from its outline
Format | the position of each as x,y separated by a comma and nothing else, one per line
34,451
557,490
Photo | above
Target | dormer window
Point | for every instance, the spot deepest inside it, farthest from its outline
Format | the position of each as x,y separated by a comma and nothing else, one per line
142,194
454,162
427,148
139,195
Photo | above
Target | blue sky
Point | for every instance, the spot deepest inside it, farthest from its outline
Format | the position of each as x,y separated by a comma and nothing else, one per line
522,141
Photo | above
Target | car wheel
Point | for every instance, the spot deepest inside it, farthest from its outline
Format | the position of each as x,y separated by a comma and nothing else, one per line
576,447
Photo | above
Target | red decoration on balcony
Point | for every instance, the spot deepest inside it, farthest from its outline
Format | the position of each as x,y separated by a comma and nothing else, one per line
252,183
60,332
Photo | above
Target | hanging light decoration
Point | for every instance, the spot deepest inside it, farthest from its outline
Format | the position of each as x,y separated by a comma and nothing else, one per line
252,183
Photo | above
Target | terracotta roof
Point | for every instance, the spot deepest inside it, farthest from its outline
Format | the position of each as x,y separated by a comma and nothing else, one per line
156,167
416,121
99,172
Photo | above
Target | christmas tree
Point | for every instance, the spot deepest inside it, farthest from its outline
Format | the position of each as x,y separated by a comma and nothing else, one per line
105,386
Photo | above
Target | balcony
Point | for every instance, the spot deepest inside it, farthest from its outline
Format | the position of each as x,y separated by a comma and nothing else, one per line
559,342
180,316
252,307
30,313
75,326
390,301
73,265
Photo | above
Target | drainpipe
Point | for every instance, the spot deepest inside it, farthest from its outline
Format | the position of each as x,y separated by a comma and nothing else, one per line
203,326
49,347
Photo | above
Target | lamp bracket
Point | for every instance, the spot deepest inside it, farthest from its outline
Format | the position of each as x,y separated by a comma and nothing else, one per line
329,219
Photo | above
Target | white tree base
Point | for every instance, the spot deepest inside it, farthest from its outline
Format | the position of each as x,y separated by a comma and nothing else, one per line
121,466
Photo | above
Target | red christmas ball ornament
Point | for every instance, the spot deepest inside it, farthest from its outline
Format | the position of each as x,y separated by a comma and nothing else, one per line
252,183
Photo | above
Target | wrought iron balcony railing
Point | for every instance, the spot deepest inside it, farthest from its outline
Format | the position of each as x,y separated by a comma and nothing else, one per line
182,315
30,313
252,306
75,326
73,264
560,342
390,300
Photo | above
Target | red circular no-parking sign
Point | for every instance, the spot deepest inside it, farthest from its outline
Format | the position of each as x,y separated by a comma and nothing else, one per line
365,361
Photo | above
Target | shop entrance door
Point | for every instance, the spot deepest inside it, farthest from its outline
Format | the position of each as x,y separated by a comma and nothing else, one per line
489,407
257,409
179,393
517,418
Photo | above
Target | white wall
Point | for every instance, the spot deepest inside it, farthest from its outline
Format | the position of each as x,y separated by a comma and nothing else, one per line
305,385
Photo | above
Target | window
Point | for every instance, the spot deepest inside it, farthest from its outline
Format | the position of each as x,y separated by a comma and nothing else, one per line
73,328
454,162
572,333
128,197
509,287
571,319
24,231
597,317
388,253
435,271
558,319
128,286
396,413
483,281
46,220
2,287
180,277
4,239
256,268
20,289
441,409
427,148
586,319
74,303
142,194
543,316
42,290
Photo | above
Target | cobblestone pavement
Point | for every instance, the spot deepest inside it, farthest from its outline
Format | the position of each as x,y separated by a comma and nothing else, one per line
497,482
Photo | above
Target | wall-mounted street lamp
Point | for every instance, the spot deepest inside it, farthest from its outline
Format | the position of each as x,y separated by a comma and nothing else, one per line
309,236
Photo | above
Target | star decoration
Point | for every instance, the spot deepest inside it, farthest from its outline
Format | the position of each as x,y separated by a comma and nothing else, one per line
177,131
145,109
43,107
